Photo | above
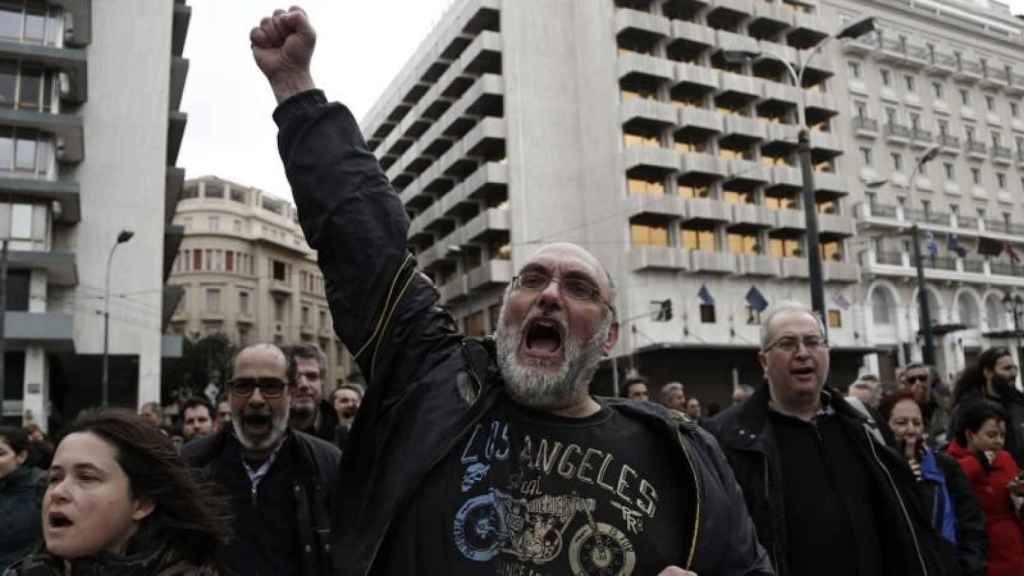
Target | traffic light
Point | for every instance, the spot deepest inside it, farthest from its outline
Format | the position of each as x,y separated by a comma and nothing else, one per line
665,314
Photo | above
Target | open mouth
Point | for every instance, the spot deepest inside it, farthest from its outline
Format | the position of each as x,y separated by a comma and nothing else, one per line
58,520
803,371
543,338
257,421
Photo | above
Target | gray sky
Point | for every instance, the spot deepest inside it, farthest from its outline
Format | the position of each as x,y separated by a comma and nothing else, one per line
361,45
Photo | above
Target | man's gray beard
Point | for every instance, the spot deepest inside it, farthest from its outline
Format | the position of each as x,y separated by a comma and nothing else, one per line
277,430
542,390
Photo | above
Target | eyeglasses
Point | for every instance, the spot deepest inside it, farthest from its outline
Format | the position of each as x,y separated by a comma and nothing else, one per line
269,387
790,344
575,287
918,378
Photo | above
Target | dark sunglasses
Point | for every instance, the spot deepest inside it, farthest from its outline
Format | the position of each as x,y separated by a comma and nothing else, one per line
269,387
917,378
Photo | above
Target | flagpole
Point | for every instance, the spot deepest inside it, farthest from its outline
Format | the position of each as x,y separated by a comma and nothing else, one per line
928,353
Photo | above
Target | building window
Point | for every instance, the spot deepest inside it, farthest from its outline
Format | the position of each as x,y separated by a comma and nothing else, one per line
707,313
638,187
886,76
1001,180
214,223
243,302
305,316
866,155
740,243
649,235
323,320
279,270
279,309
696,239
29,22
835,319
943,128
990,103
197,260
969,133
915,121
861,108
1014,109
950,170
213,300
937,90
229,261
25,152
909,81
965,97
21,221
890,116
854,68
785,248
976,175
897,160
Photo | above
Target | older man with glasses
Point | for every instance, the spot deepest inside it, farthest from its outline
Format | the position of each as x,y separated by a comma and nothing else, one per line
279,480
932,397
489,457
825,493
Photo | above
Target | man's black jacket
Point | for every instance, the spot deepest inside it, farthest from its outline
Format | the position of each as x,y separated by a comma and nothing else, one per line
312,498
428,386
911,546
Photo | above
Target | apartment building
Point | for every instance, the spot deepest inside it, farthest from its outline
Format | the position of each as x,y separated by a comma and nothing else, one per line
89,136
244,270
631,128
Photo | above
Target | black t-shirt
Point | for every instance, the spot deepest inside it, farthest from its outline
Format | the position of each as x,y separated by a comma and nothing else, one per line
527,494
830,500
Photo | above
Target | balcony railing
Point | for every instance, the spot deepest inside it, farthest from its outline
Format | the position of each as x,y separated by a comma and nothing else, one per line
975,266
949,141
977,147
922,135
967,222
1004,269
865,123
897,130
890,258
939,262
883,210
1004,226
926,216
1001,152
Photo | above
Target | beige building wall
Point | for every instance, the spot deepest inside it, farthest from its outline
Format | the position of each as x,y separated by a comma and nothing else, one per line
248,273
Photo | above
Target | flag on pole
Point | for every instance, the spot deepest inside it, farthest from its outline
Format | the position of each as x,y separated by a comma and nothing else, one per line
756,299
705,296
990,246
954,245
1011,252
931,245
840,300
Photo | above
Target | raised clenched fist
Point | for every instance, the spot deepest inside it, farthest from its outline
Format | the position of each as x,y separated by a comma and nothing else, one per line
282,46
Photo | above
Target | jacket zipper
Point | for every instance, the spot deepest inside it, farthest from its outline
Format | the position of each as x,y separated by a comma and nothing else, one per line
456,438
700,492
903,506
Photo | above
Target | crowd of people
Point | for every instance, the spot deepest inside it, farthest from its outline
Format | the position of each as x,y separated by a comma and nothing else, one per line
469,456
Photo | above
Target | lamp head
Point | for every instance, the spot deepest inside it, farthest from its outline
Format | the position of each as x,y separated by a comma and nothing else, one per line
929,155
124,236
858,28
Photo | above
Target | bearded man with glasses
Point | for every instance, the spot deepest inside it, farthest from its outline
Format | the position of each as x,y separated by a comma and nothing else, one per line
826,494
490,457
279,480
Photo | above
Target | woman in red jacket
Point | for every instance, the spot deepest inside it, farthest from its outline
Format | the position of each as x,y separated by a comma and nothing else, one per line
995,477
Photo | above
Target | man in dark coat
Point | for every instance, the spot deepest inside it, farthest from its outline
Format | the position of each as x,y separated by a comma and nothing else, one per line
826,494
310,412
484,458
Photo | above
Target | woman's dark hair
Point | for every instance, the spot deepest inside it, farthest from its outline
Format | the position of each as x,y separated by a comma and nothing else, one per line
973,416
973,377
890,401
15,437
187,515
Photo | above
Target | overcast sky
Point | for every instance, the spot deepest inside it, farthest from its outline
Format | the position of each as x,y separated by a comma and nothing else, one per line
361,46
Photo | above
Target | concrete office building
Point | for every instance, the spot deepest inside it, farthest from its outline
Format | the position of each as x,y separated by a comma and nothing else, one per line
245,271
622,126
89,135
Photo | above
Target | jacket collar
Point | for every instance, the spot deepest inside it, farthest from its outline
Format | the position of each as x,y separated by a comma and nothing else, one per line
752,422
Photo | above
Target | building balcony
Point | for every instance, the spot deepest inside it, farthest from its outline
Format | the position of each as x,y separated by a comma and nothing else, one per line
794,268
840,272
705,210
738,85
794,220
488,182
830,184
1002,155
658,258
696,164
64,192
967,71
642,66
1005,269
701,76
950,144
922,138
782,134
836,225
993,79
1015,85
752,216
757,265
743,128
862,46
60,267
826,143
51,331
454,290
660,160
71,62
283,287
821,101
699,34
699,119
865,127
647,113
898,53
746,172
940,64
644,24
776,92
489,274
490,224
740,42
977,150
771,17
670,205
897,133
1004,227
787,177
712,262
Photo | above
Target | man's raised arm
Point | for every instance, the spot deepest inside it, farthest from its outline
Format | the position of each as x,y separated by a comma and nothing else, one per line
348,211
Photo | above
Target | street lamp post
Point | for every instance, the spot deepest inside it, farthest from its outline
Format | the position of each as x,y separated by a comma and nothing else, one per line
924,308
1016,305
122,237
855,30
